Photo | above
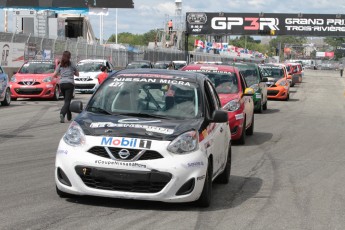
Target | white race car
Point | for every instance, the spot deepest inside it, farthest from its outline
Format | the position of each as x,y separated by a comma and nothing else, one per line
147,134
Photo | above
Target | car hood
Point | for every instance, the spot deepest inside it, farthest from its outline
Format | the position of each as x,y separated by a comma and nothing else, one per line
225,98
30,77
137,127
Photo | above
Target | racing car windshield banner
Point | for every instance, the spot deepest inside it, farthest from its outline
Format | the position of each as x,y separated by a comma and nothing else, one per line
265,24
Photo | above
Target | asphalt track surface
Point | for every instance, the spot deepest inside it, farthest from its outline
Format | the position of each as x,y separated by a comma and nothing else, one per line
289,175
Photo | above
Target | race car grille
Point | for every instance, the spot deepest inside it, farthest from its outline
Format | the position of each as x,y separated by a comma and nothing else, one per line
83,79
28,83
99,151
33,91
85,86
123,180
272,92
133,153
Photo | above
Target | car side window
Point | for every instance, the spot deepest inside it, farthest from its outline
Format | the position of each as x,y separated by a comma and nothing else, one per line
243,83
214,95
209,104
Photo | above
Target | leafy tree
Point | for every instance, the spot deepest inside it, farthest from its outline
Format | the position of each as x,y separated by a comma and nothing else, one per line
335,42
281,42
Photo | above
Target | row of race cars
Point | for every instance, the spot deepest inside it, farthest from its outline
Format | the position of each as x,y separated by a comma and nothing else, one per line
164,135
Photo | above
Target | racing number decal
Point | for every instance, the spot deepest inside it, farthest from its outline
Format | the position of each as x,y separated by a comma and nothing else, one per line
254,25
145,144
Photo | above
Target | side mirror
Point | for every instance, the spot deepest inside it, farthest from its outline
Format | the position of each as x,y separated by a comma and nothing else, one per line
14,72
248,92
264,79
220,116
76,107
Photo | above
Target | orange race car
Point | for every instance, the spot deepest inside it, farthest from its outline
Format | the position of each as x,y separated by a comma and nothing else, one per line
278,83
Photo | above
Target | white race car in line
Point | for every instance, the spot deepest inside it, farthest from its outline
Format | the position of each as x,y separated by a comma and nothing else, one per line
147,134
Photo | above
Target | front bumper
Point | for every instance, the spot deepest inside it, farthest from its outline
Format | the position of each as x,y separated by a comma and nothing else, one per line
44,90
157,179
279,93
89,86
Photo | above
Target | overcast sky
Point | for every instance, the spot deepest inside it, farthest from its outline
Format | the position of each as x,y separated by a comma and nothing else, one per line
152,14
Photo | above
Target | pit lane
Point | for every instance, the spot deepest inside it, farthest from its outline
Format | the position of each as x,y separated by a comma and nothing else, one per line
289,175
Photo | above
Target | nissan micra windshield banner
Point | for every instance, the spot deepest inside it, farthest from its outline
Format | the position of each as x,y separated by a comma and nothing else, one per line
265,24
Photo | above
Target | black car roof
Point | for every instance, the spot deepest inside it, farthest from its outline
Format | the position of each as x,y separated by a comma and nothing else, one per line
191,76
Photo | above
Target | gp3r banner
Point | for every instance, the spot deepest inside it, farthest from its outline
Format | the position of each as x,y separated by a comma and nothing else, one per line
265,24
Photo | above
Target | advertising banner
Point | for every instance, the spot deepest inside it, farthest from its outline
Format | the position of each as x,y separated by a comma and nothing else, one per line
12,54
54,4
270,24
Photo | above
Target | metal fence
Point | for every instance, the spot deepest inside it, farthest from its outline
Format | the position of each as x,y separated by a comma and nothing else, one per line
119,57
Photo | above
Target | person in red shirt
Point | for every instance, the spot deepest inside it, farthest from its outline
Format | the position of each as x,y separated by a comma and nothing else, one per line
102,76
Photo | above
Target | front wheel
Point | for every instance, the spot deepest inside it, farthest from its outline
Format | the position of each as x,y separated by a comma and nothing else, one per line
7,99
206,194
287,97
259,110
224,177
264,107
250,130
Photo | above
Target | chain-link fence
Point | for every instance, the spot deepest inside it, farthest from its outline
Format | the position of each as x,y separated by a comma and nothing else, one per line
119,57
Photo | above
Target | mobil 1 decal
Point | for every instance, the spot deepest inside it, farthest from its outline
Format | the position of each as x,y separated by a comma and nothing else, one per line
265,24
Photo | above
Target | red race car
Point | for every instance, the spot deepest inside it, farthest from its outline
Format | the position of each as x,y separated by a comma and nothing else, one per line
234,95
35,80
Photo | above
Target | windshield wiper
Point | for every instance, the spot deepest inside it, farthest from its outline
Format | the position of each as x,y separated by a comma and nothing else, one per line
144,115
99,110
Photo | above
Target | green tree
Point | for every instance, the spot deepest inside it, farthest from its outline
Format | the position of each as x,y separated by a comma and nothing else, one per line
335,42
281,42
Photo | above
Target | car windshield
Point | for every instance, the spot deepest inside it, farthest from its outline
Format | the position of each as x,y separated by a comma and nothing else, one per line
161,65
224,83
89,66
136,65
179,65
37,68
273,71
144,95
250,74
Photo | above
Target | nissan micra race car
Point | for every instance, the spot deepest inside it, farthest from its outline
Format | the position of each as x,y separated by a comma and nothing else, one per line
147,134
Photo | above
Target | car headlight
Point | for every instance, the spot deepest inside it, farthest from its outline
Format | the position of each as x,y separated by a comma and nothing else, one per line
13,79
185,143
255,87
48,79
74,135
232,105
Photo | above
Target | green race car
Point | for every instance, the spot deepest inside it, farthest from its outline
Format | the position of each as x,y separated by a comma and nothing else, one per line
255,80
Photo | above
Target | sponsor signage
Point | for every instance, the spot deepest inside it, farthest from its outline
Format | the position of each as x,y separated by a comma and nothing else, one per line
265,24
66,4
12,54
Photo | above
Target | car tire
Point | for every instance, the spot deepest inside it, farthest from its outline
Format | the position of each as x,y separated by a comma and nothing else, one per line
261,107
7,99
264,107
224,177
288,97
63,194
242,139
56,93
250,130
206,194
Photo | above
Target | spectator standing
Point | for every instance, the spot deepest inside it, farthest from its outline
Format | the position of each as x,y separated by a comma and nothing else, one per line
102,76
67,71
171,66
170,26
341,68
